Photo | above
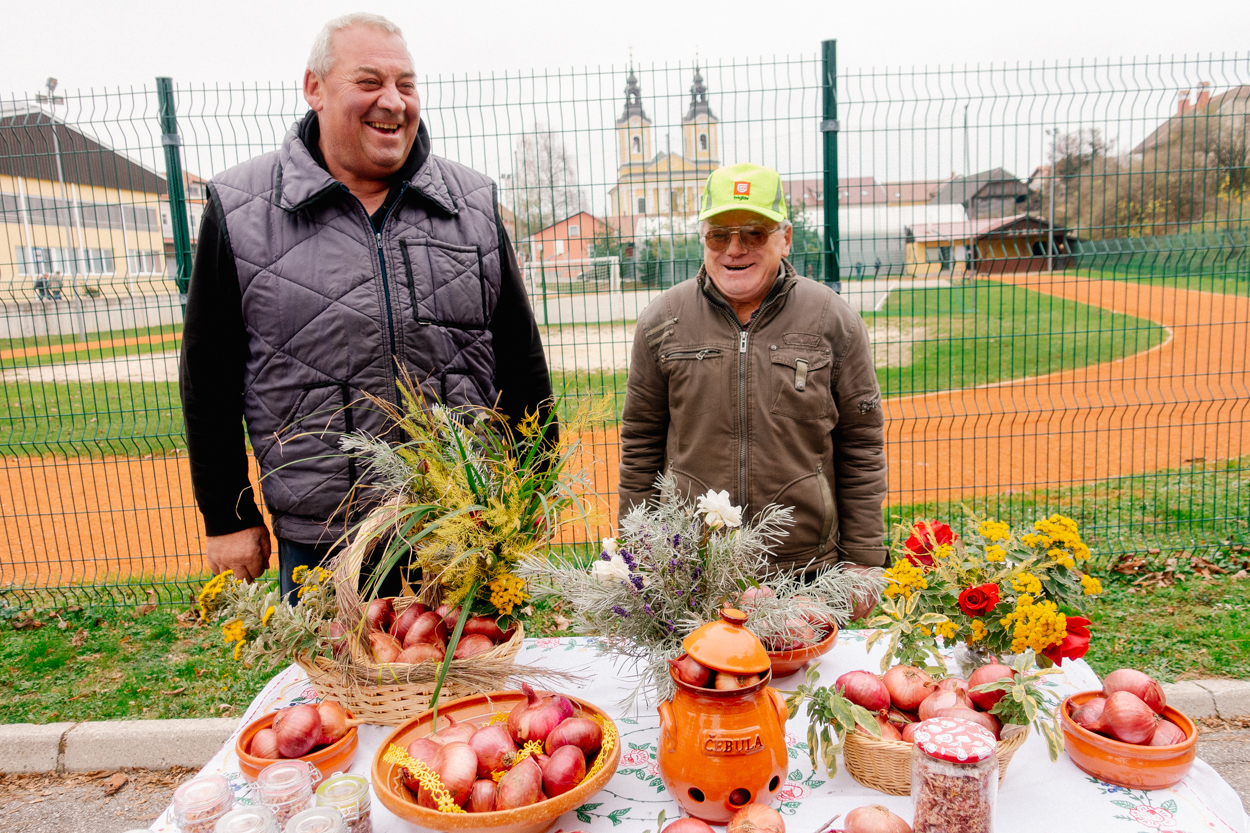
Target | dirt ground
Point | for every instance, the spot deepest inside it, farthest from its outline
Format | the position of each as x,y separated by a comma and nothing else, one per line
1182,401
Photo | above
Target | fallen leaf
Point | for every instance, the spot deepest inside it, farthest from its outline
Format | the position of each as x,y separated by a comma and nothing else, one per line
562,623
174,691
149,606
26,623
79,639
115,782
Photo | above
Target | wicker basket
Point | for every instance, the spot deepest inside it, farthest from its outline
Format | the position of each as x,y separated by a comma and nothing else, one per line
392,699
885,765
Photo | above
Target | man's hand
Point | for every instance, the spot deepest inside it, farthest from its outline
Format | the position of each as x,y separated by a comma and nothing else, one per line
863,606
246,552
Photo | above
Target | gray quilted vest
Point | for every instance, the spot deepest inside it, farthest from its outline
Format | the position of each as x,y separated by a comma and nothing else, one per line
327,303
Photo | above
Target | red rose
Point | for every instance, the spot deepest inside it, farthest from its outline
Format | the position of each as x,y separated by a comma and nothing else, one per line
978,601
1074,645
927,536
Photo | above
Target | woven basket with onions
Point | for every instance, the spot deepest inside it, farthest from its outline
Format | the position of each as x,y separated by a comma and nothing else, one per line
885,765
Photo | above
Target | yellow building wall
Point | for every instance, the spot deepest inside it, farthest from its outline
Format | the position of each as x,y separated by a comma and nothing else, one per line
41,230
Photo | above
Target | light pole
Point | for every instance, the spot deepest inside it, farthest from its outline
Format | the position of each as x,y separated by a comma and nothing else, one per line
1050,232
52,101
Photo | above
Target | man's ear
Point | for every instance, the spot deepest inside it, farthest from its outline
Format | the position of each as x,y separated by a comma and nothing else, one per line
312,90
789,235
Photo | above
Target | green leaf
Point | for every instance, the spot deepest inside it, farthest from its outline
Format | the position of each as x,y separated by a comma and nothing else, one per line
931,619
813,745
583,812
1169,805
1030,709
1127,805
830,756
615,815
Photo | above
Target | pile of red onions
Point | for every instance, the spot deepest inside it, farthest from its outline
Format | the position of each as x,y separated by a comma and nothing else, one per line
1130,710
690,672
419,634
298,730
466,757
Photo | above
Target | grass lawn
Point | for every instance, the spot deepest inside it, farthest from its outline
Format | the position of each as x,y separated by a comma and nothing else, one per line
167,333
1223,283
102,418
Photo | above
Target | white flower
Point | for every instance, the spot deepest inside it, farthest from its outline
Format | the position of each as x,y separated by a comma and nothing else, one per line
718,511
611,546
610,572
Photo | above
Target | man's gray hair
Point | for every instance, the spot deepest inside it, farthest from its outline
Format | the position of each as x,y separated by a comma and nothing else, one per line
321,59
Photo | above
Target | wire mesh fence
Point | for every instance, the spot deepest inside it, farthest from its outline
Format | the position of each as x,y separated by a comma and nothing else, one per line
1051,261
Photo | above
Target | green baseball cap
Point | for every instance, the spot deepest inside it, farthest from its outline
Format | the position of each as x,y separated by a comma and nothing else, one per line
744,186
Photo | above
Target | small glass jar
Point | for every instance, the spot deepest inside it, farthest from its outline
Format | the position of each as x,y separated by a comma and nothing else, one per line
954,777
349,794
317,820
256,819
200,802
286,788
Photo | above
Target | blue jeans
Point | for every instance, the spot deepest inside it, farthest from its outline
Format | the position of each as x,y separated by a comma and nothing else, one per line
292,554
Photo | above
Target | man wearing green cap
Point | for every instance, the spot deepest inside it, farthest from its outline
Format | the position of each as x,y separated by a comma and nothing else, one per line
757,381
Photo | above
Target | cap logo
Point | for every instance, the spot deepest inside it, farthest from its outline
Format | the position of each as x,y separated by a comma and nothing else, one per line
742,189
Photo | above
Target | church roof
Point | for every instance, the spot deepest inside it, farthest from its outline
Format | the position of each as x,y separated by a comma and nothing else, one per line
633,100
698,99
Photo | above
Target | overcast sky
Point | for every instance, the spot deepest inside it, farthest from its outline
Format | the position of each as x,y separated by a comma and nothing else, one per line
128,43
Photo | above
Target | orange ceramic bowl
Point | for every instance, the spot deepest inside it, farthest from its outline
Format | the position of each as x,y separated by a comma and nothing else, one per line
1127,764
388,782
786,663
336,757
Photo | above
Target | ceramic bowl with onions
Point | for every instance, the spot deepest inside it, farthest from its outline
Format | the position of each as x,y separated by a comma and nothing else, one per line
257,747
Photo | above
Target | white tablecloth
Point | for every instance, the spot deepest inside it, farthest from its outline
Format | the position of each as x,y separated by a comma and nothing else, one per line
1036,794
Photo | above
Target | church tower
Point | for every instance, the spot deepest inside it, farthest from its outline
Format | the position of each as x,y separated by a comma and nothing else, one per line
700,136
633,129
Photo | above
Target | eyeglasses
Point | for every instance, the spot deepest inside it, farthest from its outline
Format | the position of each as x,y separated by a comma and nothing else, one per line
752,237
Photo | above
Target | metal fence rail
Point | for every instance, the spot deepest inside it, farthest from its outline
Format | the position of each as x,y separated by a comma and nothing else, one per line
1034,250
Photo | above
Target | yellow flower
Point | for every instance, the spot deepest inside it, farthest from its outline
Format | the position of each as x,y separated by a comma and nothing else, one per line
1092,585
1062,557
995,553
299,574
234,631
979,631
943,551
1036,626
904,578
1027,583
946,629
208,596
994,531
238,650
924,631
269,611
507,592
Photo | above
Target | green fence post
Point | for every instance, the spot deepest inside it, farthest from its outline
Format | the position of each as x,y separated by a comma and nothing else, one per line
829,130
173,181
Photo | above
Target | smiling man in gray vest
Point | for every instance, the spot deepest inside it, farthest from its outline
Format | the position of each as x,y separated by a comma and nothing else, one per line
323,270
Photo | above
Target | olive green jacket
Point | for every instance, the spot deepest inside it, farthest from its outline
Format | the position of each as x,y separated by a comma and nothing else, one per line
785,410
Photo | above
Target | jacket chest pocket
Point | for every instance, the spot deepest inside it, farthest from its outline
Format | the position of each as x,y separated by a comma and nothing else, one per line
696,376
445,284
801,381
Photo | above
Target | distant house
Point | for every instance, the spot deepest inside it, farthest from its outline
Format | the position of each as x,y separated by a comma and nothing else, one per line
806,194
93,226
1231,102
912,192
993,193
561,253
990,245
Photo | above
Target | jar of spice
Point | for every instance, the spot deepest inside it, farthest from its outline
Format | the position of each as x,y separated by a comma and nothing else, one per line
286,788
349,794
954,777
317,820
200,802
256,819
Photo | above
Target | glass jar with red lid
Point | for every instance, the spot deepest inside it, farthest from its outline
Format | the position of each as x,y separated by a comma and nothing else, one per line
954,777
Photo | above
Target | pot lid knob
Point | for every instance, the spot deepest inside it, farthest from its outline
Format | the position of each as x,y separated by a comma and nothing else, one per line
727,645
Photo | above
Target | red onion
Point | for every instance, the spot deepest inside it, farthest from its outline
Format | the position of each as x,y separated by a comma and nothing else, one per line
299,731
482,797
908,686
265,745
586,735
1128,718
1089,715
426,751
985,719
863,688
385,647
456,765
888,730
1166,733
953,684
334,722
756,818
520,786
1137,683
451,615
404,620
429,628
419,653
902,718
943,700
733,682
689,825
454,732
472,645
336,634
485,626
537,716
495,749
909,732
800,633
752,594
992,673
380,615
874,819
822,622
690,672
563,771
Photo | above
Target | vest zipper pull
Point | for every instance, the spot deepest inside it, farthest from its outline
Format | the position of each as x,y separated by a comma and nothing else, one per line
742,343
378,236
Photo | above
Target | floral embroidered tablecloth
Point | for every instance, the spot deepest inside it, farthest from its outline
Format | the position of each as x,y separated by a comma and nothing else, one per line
1036,795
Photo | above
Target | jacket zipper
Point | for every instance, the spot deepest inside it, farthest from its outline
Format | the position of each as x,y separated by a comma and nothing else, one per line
742,417
386,288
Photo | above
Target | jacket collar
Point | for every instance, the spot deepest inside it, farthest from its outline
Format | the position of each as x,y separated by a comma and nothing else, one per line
301,180
786,279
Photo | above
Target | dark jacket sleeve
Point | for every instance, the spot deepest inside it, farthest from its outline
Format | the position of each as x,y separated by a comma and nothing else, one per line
644,420
521,375
214,356
859,452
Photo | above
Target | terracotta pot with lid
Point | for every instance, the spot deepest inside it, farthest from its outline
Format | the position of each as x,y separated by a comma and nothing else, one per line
720,750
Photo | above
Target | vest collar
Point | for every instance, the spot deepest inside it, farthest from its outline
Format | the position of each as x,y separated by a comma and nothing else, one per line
300,181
